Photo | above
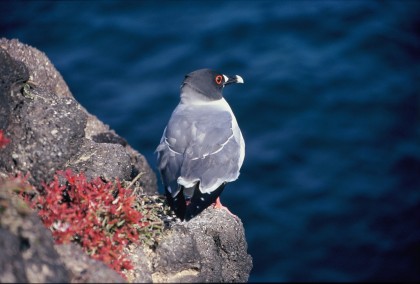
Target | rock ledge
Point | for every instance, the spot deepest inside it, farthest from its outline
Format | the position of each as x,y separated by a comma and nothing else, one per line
50,131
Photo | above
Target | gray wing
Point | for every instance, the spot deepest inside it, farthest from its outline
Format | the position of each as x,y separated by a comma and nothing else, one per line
198,145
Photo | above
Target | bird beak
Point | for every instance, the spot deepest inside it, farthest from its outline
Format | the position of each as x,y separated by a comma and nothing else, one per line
233,79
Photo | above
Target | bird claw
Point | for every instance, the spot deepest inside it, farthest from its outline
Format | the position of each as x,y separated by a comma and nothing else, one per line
218,205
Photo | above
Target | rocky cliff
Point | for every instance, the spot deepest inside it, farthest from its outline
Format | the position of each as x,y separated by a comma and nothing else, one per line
49,131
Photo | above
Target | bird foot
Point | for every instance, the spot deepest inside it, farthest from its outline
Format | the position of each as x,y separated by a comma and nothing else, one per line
218,205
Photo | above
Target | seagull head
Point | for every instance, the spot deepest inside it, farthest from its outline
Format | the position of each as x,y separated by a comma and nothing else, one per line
207,84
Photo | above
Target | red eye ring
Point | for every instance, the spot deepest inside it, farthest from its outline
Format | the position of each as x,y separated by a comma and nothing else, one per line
219,79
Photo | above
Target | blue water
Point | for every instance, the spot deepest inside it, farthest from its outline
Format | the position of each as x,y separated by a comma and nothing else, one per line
330,187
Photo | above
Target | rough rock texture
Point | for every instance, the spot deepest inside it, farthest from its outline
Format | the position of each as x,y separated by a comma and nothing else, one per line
209,248
84,269
27,247
49,130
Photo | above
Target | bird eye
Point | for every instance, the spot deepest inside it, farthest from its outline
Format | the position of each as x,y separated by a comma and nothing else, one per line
219,79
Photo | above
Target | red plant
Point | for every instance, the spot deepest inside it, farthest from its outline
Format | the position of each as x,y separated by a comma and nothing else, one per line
3,140
98,215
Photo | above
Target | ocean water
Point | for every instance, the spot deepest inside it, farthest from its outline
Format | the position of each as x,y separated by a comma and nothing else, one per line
330,186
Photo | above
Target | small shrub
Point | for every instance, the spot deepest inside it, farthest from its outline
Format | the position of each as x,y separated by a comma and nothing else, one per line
98,215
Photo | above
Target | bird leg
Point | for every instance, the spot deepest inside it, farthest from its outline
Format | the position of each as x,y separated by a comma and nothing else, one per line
218,205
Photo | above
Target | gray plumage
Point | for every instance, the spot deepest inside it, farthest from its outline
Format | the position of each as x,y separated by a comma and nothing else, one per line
202,146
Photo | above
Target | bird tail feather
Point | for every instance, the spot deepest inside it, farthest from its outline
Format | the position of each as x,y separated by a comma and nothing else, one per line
201,201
